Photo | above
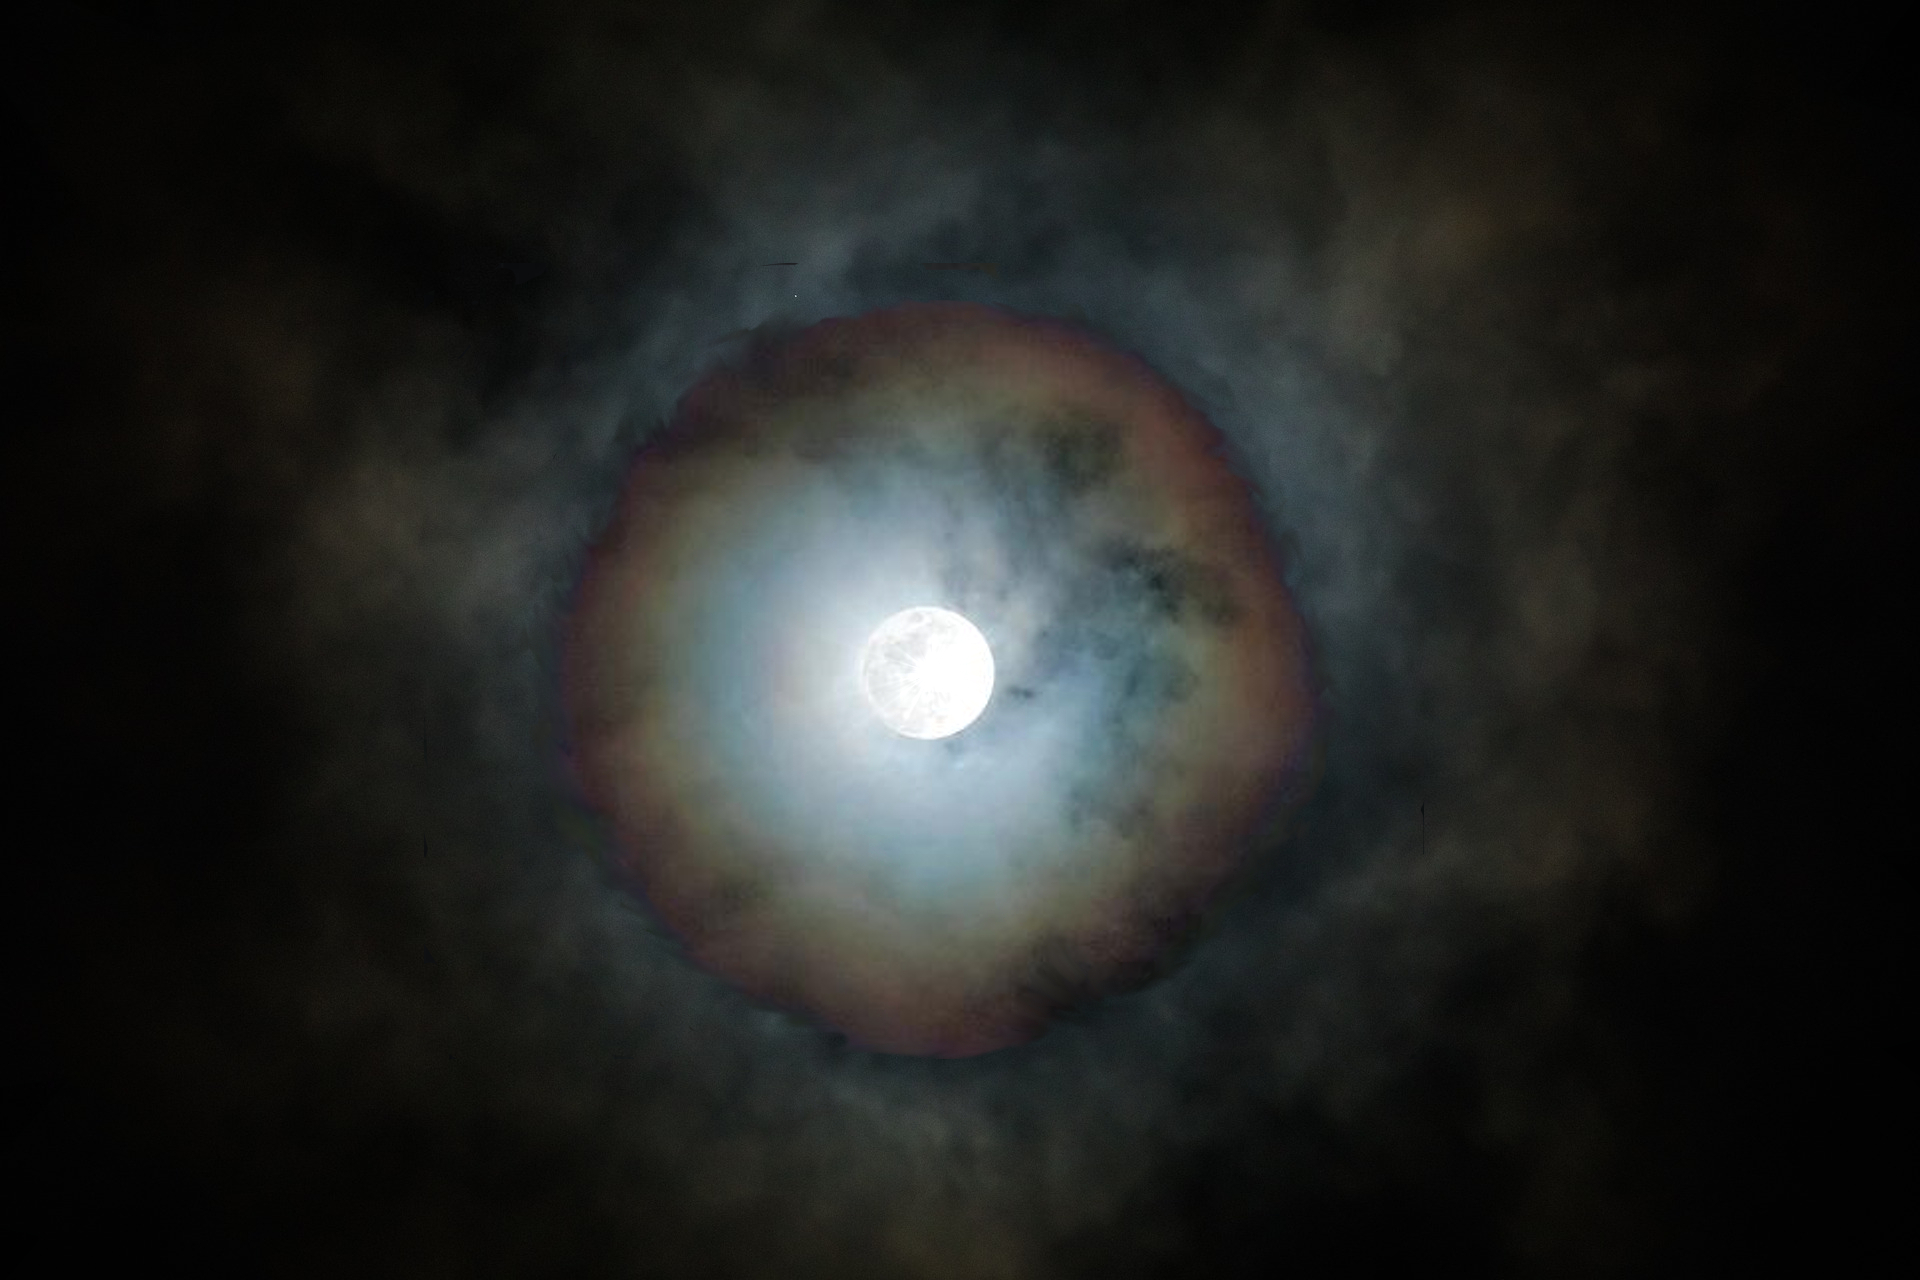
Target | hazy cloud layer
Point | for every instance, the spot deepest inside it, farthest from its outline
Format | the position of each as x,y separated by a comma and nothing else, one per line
1479,316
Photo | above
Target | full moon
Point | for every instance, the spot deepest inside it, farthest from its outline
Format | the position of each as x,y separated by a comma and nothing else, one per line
927,672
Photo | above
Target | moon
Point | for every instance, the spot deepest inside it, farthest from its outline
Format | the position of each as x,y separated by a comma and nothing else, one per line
927,672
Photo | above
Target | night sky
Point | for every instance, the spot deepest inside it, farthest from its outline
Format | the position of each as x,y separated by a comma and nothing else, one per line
1560,354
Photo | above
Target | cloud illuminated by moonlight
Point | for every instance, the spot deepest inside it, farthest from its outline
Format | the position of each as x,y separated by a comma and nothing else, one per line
1153,709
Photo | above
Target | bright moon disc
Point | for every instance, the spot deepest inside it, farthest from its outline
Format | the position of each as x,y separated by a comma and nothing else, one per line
927,672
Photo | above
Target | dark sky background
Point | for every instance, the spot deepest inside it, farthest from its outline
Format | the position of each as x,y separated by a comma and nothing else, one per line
1567,347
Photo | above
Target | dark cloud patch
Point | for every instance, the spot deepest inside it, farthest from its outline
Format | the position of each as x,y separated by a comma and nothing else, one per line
1169,583
1080,455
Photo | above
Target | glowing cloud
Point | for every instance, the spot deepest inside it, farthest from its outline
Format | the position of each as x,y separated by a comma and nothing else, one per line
1153,703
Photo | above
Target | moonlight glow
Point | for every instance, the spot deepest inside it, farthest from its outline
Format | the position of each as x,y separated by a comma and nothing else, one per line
752,708
927,673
